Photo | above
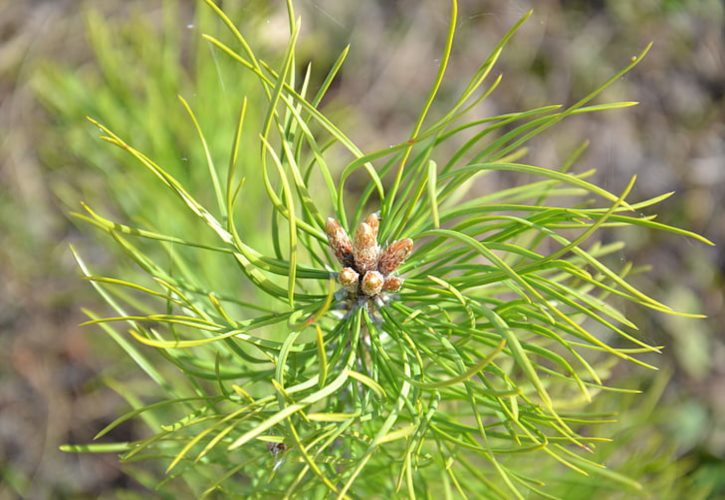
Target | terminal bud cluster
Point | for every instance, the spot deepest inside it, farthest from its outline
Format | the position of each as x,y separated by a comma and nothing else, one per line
367,269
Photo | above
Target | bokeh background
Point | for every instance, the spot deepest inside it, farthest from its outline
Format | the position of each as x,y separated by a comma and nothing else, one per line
51,76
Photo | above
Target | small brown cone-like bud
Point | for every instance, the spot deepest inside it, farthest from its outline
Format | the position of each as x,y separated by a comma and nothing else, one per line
392,284
373,221
365,248
372,283
339,241
349,279
394,255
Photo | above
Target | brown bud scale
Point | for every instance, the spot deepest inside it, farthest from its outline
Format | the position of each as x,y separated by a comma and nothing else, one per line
392,284
394,255
372,283
365,248
339,242
349,279
373,221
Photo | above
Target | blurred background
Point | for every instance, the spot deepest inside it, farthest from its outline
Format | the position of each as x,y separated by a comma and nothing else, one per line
61,60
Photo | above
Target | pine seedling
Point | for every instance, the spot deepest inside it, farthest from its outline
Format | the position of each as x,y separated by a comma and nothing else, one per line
421,350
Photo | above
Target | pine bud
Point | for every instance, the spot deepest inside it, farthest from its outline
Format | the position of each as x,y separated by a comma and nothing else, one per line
339,242
372,283
349,279
365,248
373,221
394,255
392,284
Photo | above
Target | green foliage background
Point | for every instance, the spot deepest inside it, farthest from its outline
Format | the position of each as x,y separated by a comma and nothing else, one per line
48,158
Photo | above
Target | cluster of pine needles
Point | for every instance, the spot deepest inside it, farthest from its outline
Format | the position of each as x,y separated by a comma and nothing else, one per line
504,326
